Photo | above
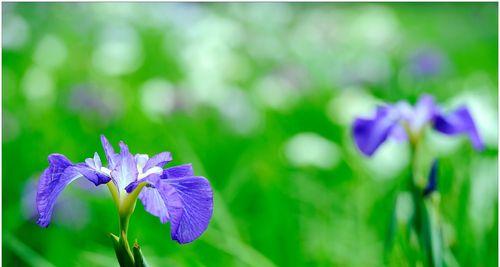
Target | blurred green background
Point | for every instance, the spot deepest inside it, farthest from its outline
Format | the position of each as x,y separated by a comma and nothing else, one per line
260,98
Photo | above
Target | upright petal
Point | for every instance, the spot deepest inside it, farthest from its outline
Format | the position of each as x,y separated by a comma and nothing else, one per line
54,179
424,112
158,160
369,134
189,202
140,160
398,133
111,156
459,122
97,161
125,171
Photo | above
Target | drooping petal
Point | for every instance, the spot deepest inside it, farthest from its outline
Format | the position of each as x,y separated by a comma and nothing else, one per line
369,134
459,122
125,171
54,179
153,203
150,197
178,171
189,202
111,156
158,160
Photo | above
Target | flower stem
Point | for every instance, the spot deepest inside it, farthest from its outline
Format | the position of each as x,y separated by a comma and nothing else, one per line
126,206
122,250
425,216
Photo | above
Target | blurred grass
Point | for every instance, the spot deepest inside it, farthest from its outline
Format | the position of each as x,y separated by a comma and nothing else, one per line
227,87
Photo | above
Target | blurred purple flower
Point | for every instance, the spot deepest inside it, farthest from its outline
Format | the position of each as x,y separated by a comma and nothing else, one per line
173,194
71,212
404,121
101,105
426,62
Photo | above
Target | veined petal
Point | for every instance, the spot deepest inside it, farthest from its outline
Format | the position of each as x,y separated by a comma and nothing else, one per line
111,156
369,134
54,179
178,196
459,122
158,160
150,197
125,171
153,203
178,171
189,202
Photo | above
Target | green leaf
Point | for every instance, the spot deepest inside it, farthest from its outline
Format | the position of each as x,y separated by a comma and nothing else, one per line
433,231
140,261
23,251
123,254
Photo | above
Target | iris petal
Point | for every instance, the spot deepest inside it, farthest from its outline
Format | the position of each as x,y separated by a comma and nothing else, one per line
125,171
424,112
149,193
173,172
55,178
111,156
150,179
158,160
459,121
179,197
153,203
178,171
92,175
189,201
369,134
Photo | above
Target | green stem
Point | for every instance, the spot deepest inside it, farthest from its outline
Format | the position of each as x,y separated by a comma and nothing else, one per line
126,206
124,245
425,218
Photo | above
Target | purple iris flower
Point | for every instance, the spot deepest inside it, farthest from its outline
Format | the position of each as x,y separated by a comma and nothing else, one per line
174,194
427,62
403,121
